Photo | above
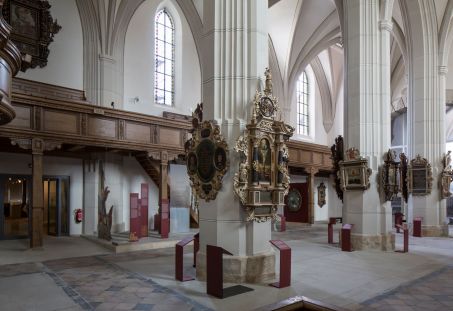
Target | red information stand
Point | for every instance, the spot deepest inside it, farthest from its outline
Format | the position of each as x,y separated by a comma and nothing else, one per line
134,218
179,260
214,274
164,218
346,245
332,221
144,210
406,239
214,270
196,248
417,227
285,264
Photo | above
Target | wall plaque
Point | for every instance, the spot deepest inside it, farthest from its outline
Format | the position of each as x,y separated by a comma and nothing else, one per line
206,157
390,178
262,180
321,195
446,176
354,173
33,29
419,177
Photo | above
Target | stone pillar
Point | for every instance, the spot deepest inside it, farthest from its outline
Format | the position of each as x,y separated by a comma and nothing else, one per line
10,60
235,43
426,111
37,208
311,194
367,118
164,203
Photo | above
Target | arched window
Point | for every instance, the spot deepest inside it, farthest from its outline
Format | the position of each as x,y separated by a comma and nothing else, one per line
164,72
303,109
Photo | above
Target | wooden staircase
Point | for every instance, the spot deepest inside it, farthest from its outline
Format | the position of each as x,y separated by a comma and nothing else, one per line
151,168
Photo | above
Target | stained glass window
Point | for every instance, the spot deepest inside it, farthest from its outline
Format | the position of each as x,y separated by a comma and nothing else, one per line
164,72
303,110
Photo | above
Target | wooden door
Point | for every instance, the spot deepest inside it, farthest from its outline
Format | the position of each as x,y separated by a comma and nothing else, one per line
296,203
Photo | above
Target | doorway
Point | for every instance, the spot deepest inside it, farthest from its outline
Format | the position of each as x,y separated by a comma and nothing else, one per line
16,200
296,203
56,205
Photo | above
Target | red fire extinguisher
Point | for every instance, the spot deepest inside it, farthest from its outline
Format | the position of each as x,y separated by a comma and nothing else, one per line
78,215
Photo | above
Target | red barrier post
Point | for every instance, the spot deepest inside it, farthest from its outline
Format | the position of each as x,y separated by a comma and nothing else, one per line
398,221
196,248
332,221
417,227
346,245
179,260
406,239
285,264
214,270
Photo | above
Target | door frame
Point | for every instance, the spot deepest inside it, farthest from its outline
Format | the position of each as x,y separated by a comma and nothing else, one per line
59,178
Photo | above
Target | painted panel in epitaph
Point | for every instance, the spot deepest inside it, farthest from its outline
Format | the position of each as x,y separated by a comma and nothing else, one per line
420,177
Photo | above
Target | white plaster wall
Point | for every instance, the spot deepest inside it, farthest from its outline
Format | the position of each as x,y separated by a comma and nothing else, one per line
18,164
65,61
139,62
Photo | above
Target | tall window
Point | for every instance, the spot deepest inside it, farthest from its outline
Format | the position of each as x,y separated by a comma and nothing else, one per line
164,72
303,110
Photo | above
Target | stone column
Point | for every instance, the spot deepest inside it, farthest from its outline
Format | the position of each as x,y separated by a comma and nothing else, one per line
10,60
36,239
235,44
164,203
367,118
426,111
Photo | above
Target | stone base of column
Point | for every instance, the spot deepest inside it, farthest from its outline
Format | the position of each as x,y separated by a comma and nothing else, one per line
384,242
36,239
435,231
242,269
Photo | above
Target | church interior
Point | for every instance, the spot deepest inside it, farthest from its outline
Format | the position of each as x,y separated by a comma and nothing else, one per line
226,155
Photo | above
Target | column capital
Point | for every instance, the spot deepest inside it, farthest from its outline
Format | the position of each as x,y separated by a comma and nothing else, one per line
386,25
443,70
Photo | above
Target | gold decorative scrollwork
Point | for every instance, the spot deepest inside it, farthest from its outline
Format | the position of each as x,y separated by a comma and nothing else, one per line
207,157
262,180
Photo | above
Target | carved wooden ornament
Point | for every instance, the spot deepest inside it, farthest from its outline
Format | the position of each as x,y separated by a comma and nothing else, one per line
420,177
354,173
33,30
446,177
263,180
390,177
207,159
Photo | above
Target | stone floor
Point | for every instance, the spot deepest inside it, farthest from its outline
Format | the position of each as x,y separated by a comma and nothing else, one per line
76,274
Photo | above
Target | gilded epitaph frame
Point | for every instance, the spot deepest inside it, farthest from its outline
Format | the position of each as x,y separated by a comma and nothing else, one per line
419,177
390,176
354,173
263,179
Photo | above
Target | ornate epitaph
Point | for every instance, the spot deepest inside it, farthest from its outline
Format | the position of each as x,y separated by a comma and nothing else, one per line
446,176
263,180
354,173
206,156
420,176
390,178
337,151
321,194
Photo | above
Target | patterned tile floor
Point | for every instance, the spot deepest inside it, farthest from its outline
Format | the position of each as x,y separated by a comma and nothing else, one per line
419,280
94,283
432,292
